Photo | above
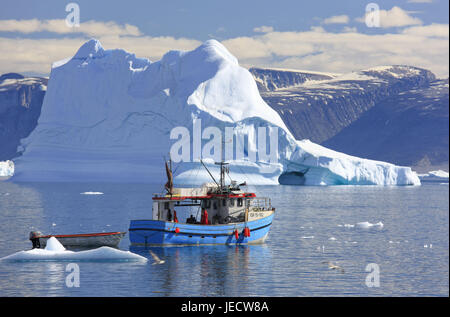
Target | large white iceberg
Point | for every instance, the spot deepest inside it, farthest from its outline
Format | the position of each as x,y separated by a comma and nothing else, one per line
108,116
6,169
55,251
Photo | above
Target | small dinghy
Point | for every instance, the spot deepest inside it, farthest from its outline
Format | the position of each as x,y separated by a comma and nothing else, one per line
84,240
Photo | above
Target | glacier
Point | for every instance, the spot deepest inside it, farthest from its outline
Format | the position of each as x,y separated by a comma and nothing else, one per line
109,116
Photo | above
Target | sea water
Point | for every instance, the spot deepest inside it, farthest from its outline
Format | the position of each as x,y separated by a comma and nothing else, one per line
389,241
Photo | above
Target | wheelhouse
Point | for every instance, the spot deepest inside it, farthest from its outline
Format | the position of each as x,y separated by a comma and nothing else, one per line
207,206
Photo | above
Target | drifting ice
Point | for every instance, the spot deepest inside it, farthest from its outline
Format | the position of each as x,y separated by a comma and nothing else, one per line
6,169
366,225
108,116
55,251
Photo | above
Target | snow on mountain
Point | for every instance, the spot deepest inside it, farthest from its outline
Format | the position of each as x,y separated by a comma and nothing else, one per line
108,116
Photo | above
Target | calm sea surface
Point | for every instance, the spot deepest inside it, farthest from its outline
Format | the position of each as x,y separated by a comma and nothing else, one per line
312,225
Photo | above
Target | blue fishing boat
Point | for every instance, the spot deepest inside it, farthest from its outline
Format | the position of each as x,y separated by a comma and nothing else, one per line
225,214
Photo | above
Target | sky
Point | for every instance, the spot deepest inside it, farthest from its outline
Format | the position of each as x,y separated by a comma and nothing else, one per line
319,35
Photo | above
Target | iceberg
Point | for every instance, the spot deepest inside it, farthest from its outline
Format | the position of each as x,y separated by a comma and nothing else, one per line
6,169
110,116
434,176
55,251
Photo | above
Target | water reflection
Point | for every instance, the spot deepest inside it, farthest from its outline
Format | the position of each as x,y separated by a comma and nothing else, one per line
21,211
207,270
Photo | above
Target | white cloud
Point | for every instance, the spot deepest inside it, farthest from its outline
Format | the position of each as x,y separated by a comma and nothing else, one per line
424,46
37,55
432,30
337,19
350,29
59,26
395,17
263,29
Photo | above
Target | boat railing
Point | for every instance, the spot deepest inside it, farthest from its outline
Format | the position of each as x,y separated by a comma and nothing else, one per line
261,203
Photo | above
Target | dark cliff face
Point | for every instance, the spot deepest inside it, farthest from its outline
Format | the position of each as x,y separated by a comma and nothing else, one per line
318,108
345,112
21,100
410,128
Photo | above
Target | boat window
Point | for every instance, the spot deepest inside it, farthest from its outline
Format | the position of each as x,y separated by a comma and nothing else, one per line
239,202
232,202
166,205
207,204
215,205
224,202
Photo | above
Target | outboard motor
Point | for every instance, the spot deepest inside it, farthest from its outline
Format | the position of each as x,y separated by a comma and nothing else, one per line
34,237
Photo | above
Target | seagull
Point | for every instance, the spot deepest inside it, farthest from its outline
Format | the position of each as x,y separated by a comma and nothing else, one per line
156,258
333,266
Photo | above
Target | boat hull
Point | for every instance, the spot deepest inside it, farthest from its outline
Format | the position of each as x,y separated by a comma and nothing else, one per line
157,232
86,240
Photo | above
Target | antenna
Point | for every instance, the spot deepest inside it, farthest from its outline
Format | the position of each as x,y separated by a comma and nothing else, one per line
201,161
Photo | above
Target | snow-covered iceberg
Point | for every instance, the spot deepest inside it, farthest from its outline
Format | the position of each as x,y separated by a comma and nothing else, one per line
6,169
55,251
109,116
434,176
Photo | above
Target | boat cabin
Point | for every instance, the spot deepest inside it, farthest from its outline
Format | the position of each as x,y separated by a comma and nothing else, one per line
207,205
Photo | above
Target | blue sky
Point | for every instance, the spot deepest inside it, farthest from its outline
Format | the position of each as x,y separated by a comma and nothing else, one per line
317,35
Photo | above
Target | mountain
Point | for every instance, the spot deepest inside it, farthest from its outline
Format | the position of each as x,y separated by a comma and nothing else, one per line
397,113
109,116
20,106
411,129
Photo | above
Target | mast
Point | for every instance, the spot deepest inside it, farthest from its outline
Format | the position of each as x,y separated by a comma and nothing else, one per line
222,166
223,169
169,184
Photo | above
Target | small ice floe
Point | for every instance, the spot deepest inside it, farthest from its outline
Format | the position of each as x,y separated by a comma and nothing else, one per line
92,193
426,246
307,237
53,224
367,225
156,258
55,251
332,239
346,225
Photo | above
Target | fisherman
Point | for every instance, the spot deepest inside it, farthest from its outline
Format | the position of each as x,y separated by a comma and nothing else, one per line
204,218
34,237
